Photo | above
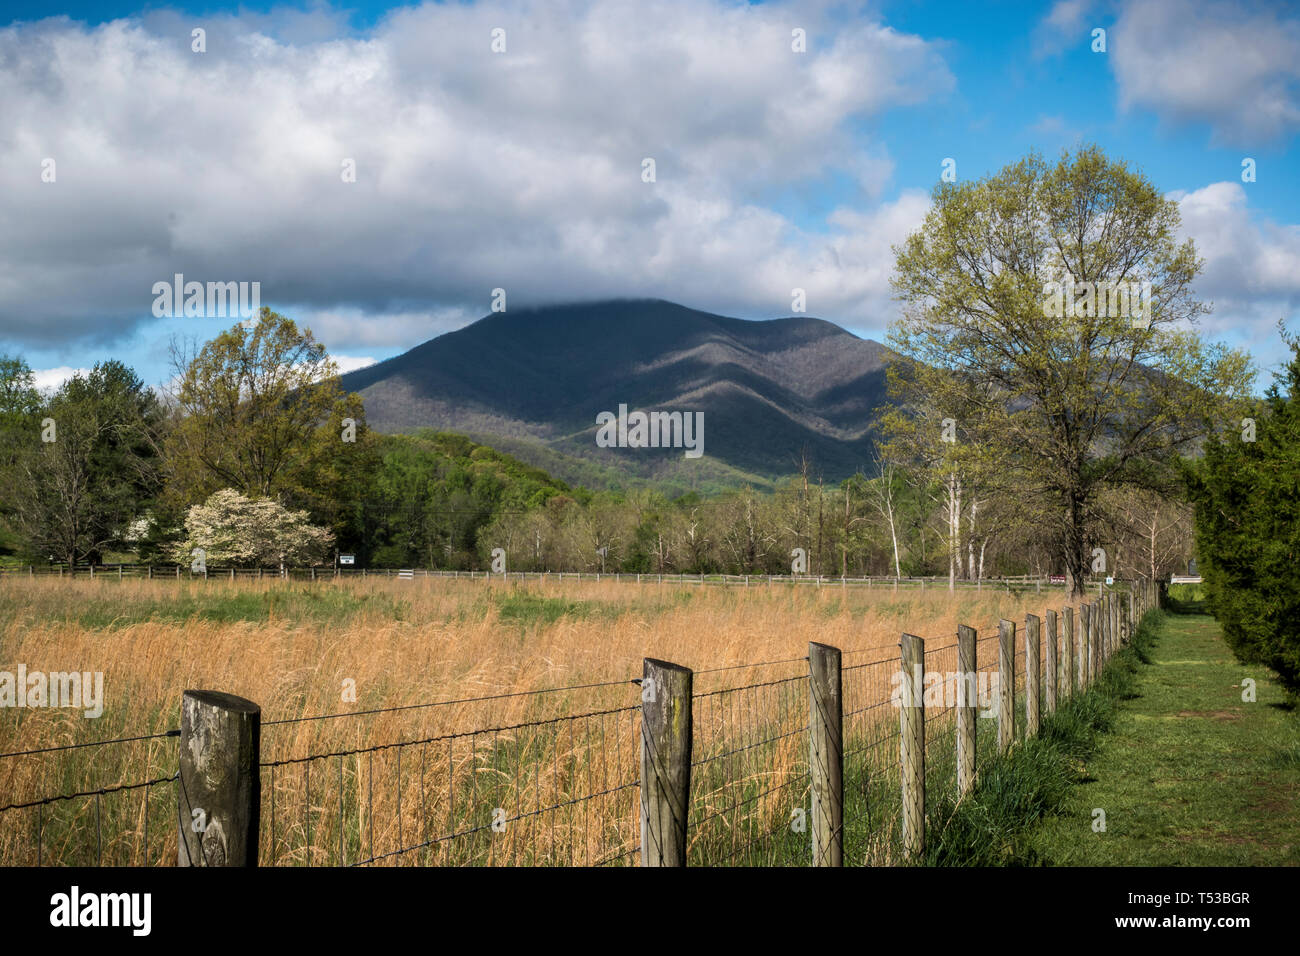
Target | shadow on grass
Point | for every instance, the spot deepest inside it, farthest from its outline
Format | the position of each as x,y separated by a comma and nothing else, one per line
1174,606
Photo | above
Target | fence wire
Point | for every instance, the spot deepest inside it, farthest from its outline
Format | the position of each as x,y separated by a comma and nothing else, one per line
749,802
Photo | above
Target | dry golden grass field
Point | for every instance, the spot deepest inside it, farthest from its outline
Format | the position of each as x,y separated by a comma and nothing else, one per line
500,755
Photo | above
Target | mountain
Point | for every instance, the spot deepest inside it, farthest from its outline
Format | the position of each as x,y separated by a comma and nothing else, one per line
533,381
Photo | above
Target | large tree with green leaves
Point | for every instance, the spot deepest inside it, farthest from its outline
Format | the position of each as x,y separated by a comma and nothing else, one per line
19,403
1013,326
95,467
261,411
1246,494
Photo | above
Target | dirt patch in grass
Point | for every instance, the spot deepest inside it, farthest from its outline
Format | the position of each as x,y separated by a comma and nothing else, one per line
1211,714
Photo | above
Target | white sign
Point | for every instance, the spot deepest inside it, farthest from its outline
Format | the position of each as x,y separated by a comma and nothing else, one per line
347,559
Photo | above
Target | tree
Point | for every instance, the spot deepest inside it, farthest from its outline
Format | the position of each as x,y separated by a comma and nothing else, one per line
95,467
1155,530
1247,518
883,492
232,529
262,412
19,403
1020,309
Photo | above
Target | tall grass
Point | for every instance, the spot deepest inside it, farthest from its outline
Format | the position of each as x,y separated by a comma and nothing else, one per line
556,772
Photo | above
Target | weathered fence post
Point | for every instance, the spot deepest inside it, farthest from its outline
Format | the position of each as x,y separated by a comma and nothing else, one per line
219,789
1108,632
1005,686
967,707
1052,662
1114,626
1033,674
1101,634
1085,649
1107,622
1097,630
1113,644
1067,649
826,754
911,744
665,762
1121,620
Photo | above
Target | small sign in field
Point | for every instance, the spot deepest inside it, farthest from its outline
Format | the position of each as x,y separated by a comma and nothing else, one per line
347,559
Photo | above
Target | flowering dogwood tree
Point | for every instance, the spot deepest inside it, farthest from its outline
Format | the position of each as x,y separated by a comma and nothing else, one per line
232,529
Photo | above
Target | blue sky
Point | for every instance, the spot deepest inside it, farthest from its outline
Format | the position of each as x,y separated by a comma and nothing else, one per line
521,170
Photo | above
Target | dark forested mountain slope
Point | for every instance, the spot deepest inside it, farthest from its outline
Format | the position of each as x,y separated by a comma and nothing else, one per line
768,389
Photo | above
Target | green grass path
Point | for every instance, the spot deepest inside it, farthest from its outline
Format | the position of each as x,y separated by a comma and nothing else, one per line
1191,774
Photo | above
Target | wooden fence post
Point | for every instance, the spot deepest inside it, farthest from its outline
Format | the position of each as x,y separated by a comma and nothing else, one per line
1108,632
665,762
967,707
1085,648
1052,662
1097,629
1107,620
1006,685
1101,635
1114,627
1113,619
1067,650
219,788
1033,674
1121,619
911,743
826,754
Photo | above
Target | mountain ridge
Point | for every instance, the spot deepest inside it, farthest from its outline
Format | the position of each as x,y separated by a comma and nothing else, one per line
770,389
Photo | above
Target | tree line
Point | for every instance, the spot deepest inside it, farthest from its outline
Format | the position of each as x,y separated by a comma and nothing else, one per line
255,456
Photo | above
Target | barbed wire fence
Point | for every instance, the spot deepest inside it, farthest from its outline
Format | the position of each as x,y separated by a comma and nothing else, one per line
565,784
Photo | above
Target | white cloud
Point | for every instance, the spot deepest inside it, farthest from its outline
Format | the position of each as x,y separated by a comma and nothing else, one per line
49,380
1064,25
1252,269
474,170
350,363
1234,67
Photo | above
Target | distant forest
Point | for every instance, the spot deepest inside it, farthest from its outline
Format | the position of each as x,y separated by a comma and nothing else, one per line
106,469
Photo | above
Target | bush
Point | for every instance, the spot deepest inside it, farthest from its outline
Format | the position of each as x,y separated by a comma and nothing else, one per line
1247,497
